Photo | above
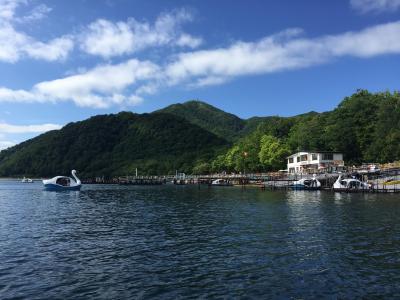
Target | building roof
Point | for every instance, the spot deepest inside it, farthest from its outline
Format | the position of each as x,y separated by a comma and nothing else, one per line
316,152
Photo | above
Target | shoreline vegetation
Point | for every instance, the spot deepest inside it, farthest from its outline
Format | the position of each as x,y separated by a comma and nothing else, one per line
197,138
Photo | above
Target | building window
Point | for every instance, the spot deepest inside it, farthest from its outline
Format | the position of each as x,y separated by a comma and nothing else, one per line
298,158
290,160
327,156
303,157
314,156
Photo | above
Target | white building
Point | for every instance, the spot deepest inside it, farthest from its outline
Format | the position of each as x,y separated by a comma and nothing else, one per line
311,162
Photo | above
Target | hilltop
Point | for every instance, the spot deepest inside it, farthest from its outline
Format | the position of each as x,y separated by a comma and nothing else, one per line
208,117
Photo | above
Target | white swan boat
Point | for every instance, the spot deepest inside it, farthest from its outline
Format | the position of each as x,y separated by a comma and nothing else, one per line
306,184
221,182
63,183
350,184
26,180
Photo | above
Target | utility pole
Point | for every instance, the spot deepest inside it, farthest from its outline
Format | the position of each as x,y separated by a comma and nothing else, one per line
244,162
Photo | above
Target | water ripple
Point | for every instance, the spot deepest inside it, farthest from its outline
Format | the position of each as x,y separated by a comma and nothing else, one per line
180,242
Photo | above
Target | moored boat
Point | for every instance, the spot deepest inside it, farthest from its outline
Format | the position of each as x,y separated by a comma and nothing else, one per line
26,180
347,184
306,184
63,183
221,182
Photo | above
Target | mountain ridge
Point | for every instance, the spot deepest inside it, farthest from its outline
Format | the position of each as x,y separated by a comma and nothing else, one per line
195,137
113,144
211,118
224,124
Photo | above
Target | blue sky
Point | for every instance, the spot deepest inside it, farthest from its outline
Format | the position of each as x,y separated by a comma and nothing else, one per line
63,61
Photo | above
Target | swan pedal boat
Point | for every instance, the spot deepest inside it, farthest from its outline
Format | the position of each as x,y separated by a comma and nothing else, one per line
221,182
26,180
349,184
63,183
307,184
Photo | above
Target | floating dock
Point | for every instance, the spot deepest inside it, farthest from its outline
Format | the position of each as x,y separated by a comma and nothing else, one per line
387,181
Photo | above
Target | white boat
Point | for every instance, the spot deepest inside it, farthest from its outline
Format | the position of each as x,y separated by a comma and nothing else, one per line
307,184
62,183
26,180
350,184
221,182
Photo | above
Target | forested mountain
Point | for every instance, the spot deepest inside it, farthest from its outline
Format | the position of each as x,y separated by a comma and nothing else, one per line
219,122
196,137
365,127
223,124
156,143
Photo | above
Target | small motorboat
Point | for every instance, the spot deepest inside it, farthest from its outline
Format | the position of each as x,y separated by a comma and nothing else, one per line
221,182
26,180
63,183
307,184
350,184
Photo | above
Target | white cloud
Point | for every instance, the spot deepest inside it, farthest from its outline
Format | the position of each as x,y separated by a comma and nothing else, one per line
127,82
134,100
7,8
99,87
6,144
8,128
57,49
9,95
37,13
107,39
186,40
285,51
16,44
366,6
210,80
11,43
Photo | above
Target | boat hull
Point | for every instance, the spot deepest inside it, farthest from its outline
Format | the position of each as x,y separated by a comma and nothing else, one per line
350,190
222,184
57,187
297,187
304,187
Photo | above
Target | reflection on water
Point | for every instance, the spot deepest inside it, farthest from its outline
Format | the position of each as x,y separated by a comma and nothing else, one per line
176,241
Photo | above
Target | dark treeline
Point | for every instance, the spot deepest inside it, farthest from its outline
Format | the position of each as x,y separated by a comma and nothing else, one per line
195,137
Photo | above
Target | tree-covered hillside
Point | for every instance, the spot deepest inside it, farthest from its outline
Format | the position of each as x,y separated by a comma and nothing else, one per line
223,124
195,137
365,127
219,122
109,145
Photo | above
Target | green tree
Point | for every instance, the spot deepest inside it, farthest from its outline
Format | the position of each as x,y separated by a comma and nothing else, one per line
273,152
218,164
202,168
234,159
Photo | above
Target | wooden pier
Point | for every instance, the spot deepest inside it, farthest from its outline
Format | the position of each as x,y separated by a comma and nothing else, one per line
382,182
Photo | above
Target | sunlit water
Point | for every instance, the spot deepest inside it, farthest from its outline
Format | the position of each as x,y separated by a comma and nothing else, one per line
114,242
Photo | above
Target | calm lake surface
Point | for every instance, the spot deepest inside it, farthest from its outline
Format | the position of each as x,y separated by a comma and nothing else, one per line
114,242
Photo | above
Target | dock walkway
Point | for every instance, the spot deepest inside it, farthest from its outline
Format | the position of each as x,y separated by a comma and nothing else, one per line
386,181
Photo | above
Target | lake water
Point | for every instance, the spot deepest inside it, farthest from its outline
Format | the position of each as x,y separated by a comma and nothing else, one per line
112,242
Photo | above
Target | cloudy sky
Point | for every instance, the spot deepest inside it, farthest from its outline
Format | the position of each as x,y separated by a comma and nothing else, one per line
63,61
